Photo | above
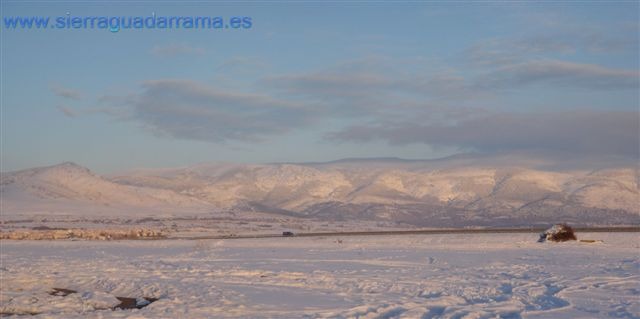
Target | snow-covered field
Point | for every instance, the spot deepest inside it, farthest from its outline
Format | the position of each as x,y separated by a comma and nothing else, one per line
418,276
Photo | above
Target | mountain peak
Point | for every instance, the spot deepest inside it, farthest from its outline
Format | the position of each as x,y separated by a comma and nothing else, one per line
68,164
57,171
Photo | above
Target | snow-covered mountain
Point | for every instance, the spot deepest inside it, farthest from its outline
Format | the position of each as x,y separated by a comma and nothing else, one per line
448,192
69,189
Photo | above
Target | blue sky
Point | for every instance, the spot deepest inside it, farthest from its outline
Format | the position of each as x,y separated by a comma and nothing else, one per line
314,82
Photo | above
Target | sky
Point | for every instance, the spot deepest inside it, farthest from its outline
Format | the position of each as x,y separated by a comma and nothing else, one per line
312,81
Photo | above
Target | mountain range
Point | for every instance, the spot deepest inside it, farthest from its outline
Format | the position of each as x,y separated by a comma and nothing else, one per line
463,190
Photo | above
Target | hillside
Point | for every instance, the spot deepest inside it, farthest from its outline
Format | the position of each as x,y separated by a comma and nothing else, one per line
69,189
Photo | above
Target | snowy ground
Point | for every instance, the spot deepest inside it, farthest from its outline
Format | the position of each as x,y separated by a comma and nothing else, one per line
231,224
421,276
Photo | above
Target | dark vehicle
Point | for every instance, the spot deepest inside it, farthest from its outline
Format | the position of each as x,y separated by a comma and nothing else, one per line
287,234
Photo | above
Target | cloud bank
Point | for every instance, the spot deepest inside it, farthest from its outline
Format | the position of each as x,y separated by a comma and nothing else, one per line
190,110
583,132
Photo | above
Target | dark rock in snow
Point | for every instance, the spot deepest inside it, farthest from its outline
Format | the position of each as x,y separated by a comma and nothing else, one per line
559,232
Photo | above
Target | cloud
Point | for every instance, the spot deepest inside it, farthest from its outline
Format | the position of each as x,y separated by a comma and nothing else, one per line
186,109
190,110
496,52
555,73
342,93
548,59
381,88
66,93
242,63
583,132
381,99
375,87
69,112
564,41
116,112
175,49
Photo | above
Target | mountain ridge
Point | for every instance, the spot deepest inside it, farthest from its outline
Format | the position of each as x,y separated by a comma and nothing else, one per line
420,193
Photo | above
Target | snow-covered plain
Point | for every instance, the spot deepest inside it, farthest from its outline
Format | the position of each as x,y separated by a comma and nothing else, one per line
417,276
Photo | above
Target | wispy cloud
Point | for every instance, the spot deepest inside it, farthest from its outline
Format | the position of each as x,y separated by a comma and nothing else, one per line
116,112
554,73
66,93
500,51
69,112
547,59
176,49
376,87
242,63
